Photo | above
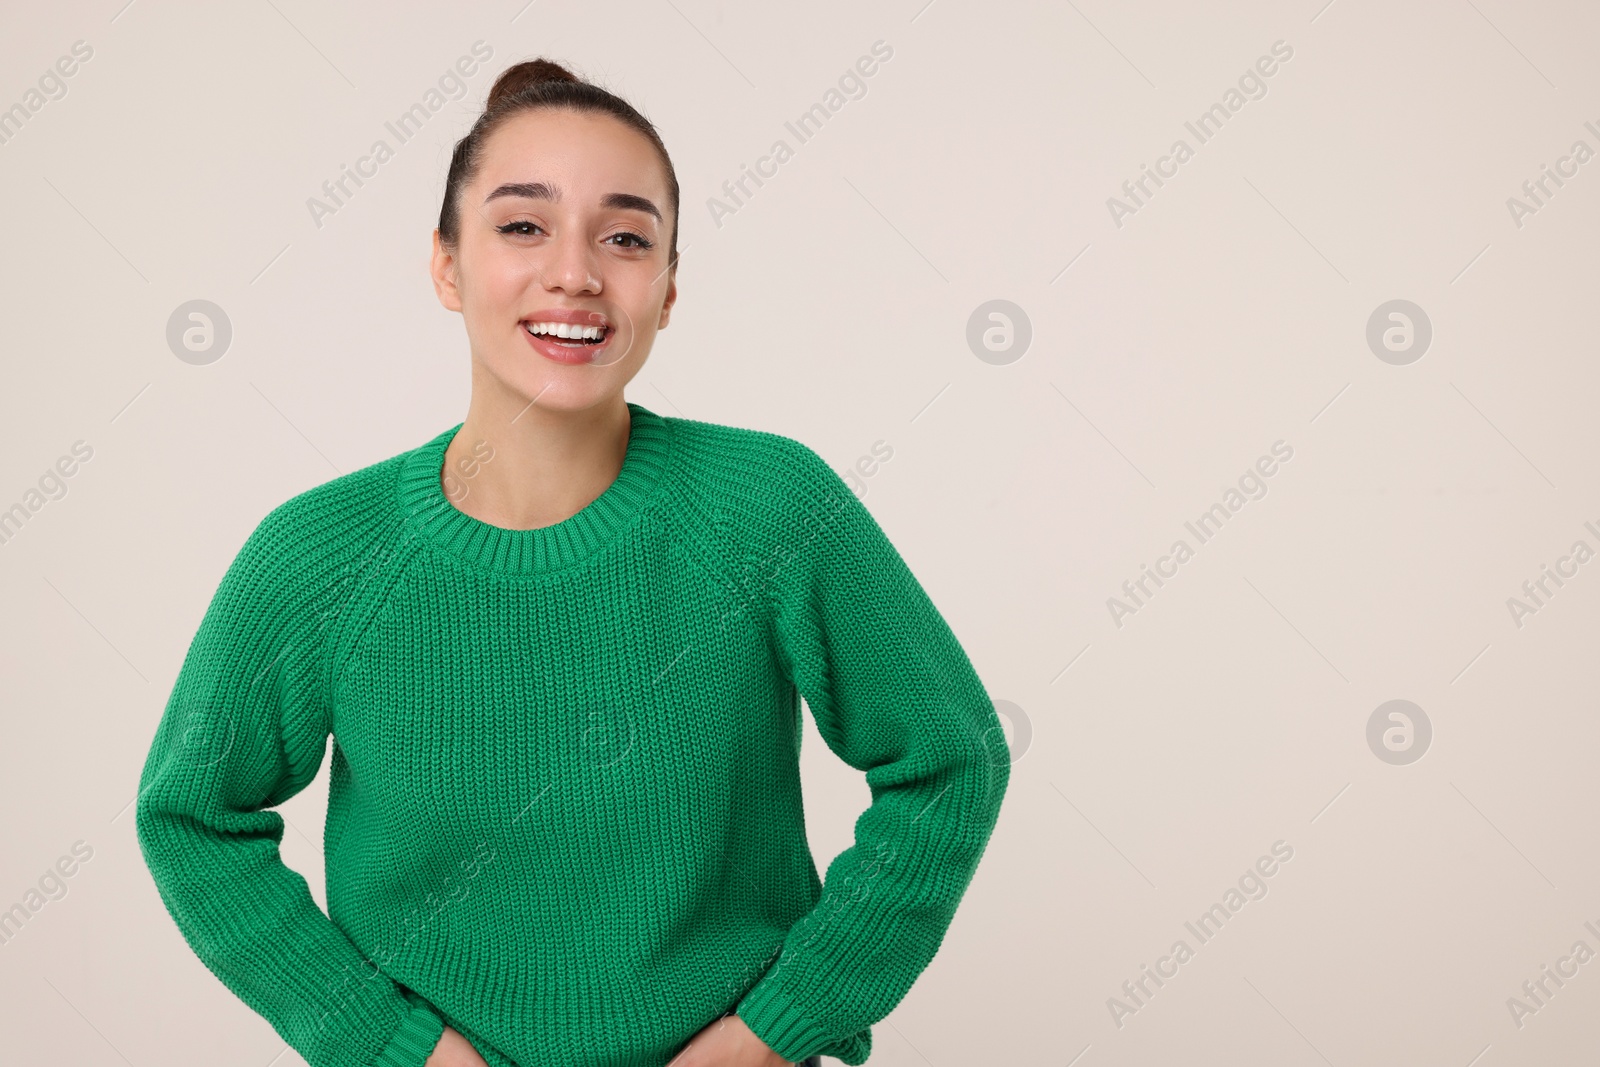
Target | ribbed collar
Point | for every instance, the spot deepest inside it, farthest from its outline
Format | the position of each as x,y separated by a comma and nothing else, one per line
548,548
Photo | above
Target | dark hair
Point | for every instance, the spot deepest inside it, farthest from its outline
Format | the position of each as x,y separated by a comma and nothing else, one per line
525,86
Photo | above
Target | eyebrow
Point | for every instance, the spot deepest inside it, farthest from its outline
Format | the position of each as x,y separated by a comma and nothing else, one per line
547,191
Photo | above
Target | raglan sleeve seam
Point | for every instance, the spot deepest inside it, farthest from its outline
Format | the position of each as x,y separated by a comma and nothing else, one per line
893,694
244,731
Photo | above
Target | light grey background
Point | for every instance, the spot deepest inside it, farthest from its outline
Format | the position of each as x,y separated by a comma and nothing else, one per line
1163,756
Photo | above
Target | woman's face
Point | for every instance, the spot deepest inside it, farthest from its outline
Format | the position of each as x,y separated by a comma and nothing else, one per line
558,227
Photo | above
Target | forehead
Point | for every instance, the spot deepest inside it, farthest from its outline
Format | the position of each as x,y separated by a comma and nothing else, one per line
587,154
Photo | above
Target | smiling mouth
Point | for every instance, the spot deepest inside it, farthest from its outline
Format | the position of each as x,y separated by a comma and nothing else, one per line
570,336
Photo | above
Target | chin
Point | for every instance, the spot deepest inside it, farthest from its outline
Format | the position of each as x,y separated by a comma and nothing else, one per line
575,388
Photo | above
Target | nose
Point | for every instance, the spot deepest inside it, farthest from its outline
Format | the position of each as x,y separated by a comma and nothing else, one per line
572,267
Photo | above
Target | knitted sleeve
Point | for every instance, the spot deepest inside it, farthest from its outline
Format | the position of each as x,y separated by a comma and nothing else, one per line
245,729
894,695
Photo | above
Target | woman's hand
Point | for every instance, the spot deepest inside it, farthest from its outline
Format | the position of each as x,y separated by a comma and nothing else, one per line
726,1042
453,1050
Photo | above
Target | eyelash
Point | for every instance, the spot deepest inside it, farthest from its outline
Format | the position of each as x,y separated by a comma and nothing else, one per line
644,245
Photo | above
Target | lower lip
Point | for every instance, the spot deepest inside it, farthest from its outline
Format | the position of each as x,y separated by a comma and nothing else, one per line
548,347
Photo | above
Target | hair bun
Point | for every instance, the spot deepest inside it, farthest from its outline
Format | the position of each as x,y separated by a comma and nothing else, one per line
519,76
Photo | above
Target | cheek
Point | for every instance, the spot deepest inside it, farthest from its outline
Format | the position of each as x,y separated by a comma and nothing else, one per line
643,302
501,278
499,305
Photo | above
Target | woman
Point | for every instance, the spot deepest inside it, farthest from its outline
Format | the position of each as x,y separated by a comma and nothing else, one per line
560,649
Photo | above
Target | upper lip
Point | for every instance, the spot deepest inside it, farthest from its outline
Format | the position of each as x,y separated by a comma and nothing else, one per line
570,316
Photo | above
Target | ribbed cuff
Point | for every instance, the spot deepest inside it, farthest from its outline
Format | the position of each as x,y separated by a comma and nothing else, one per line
777,1020
414,1042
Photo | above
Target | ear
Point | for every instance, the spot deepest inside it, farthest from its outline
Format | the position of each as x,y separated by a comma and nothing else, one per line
442,265
671,298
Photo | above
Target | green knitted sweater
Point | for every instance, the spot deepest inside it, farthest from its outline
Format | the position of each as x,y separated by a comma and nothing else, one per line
564,813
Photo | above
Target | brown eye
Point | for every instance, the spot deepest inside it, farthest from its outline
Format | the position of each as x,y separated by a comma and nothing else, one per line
643,243
516,228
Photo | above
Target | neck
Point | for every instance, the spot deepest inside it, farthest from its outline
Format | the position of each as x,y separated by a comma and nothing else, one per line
522,467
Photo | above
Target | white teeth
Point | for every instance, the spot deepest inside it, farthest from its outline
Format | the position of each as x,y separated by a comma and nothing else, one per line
562,329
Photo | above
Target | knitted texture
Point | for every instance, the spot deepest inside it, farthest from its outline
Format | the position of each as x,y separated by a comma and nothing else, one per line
564,813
